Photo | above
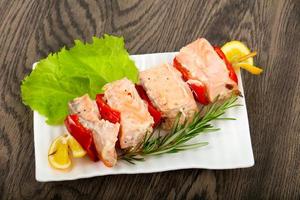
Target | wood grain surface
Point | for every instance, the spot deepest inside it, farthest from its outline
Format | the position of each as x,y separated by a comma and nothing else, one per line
30,30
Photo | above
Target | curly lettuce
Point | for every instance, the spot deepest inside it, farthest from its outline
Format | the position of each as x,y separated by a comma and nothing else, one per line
84,68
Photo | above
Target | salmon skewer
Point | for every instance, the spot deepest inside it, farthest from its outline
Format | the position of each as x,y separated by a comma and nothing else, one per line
127,112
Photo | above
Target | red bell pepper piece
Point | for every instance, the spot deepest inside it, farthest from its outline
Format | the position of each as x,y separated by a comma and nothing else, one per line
185,73
200,92
232,73
106,111
151,108
82,135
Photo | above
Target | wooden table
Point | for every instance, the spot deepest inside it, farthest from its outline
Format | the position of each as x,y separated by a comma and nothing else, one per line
30,30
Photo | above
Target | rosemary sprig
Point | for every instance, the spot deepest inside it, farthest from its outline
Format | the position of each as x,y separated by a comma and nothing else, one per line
180,133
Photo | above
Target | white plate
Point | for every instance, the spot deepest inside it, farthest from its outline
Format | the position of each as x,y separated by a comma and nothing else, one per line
227,149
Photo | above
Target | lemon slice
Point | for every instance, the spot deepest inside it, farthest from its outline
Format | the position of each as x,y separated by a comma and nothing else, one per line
236,49
58,155
75,147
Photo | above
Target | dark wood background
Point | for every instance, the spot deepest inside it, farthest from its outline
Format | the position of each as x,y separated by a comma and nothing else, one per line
30,30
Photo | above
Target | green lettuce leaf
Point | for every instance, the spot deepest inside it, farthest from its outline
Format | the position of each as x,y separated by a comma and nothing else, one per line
85,68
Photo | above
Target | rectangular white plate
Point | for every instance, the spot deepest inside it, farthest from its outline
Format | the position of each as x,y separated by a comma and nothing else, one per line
227,149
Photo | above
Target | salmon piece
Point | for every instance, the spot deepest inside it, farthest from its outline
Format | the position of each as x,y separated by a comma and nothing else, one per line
207,69
85,108
105,134
169,93
136,121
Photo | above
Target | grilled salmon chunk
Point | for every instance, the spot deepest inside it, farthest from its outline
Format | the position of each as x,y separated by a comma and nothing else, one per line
169,93
136,121
206,68
105,134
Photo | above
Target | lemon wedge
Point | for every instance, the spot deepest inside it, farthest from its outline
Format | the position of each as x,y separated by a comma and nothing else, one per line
75,147
250,68
58,155
234,50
